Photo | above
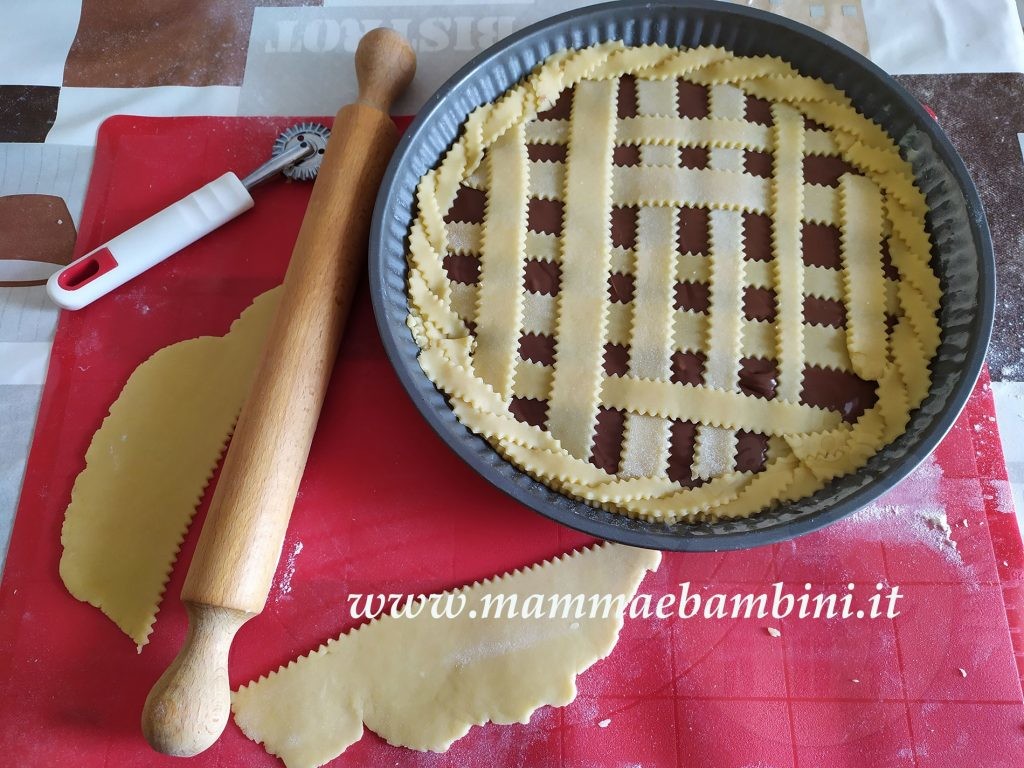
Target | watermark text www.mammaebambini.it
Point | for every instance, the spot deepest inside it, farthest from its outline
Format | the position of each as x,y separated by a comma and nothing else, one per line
778,602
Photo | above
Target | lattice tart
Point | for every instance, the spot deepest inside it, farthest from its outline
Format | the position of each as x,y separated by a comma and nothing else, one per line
675,283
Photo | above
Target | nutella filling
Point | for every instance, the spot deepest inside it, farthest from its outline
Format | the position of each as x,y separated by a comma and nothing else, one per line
693,231
616,359
621,288
623,226
462,268
759,303
838,391
692,99
469,205
626,102
694,297
758,163
694,157
758,377
758,110
751,451
757,236
682,447
688,368
528,410
626,154
545,216
548,153
561,109
826,169
537,348
611,425
888,268
542,276
820,246
818,311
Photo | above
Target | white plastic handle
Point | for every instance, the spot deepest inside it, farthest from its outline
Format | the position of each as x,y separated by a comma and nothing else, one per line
149,242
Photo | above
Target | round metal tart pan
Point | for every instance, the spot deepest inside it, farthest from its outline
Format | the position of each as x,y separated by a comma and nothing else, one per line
961,254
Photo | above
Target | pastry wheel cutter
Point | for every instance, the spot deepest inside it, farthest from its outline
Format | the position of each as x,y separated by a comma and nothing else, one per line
297,154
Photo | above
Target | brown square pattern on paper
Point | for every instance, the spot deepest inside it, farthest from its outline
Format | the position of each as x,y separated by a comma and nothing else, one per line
162,42
35,228
983,114
27,112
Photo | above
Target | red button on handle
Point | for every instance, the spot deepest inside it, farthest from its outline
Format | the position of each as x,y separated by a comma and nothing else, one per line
86,269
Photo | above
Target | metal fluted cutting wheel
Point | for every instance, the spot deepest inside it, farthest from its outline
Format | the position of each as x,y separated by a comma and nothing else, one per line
303,134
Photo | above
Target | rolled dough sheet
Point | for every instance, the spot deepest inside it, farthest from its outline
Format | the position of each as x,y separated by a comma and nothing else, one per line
148,465
423,682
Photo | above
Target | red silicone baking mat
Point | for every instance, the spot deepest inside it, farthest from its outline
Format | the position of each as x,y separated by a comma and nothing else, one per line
385,507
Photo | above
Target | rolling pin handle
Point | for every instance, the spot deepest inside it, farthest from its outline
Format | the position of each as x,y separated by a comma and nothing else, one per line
385,64
187,709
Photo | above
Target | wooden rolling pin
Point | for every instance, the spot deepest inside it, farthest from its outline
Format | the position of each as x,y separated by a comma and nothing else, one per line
231,573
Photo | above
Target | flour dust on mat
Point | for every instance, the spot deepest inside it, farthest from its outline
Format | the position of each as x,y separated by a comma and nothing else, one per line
284,586
148,466
422,682
913,513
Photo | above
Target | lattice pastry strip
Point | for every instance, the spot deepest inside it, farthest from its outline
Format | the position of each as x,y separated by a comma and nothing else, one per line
807,445
715,447
787,198
586,256
734,133
732,190
646,438
499,301
863,279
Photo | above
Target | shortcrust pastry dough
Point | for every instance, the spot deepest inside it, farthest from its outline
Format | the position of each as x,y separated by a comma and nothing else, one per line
469,333
148,465
423,682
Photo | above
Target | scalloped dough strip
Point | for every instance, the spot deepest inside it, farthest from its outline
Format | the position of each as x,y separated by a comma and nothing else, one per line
922,318
502,261
586,257
913,365
715,448
731,190
692,132
555,467
787,204
130,507
824,346
714,406
645,444
455,672
861,253
768,484
661,185
710,132
547,131
646,439
691,502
